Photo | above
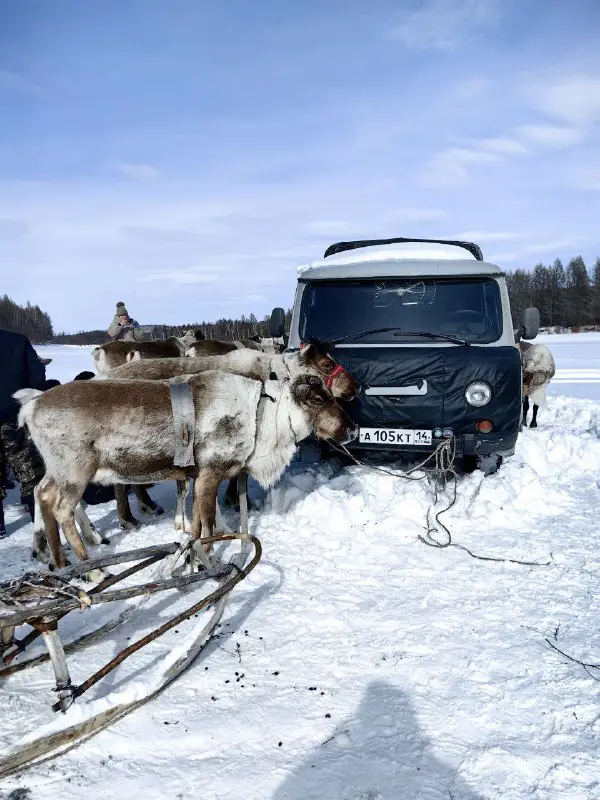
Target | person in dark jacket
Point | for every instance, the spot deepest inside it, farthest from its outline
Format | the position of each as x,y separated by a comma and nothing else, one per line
20,368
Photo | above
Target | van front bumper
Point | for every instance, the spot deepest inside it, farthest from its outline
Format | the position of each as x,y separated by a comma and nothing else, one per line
467,444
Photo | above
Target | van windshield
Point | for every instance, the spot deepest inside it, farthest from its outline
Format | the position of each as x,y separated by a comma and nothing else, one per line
465,308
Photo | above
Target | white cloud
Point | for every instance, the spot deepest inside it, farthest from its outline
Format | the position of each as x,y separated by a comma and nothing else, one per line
551,136
450,167
503,145
573,98
556,244
445,24
140,172
489,236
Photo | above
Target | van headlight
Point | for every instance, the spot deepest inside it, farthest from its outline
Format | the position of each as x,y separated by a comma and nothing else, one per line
478,394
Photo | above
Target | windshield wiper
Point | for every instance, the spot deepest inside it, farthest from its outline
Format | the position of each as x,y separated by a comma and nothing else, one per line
359,334
400,332
429,335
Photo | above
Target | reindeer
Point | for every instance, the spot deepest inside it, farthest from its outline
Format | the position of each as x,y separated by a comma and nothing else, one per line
112,354
538,370
115,432
312,359
215,347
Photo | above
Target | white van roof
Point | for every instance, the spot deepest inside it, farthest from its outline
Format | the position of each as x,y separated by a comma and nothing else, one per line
398,260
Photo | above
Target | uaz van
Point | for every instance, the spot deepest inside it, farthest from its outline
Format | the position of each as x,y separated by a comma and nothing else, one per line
425,327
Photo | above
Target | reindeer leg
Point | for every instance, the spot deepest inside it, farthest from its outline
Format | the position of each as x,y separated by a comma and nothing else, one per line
525,410
181,522
146,503
46,534
206,486
534,416
64,513
88,531
126,519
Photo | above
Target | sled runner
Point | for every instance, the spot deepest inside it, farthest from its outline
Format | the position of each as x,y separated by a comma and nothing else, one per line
58,611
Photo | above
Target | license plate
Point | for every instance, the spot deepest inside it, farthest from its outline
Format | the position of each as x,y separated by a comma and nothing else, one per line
400,436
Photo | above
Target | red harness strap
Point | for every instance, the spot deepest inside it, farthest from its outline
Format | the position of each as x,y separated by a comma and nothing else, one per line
338,370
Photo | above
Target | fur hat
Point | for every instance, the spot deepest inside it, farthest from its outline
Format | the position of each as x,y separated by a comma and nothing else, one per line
121,310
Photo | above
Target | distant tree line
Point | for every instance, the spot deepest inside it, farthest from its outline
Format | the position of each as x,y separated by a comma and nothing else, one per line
567,297
223,329
28,319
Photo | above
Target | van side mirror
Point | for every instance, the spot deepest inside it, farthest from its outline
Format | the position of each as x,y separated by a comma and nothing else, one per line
531,323
277,324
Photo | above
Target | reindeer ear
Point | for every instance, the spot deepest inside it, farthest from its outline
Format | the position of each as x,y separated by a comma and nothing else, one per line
301,392
321,346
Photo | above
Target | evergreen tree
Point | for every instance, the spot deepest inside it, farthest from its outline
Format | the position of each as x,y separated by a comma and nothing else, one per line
579,293
28,320
558,281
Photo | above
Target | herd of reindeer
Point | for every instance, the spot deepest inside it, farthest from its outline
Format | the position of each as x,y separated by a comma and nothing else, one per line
252,405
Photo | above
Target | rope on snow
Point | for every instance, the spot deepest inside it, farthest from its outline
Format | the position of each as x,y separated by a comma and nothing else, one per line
443,458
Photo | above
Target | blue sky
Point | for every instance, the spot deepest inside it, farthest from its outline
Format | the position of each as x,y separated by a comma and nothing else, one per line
186,155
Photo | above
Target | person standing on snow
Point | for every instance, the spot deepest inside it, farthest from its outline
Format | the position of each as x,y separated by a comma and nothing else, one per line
20,368
123,326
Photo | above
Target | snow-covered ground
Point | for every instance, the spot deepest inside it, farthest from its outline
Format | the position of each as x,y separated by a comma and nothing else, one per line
358,663
577,359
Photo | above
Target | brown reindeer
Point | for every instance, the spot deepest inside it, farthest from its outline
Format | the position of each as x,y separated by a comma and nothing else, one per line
113,354
313,359
96,431
215,347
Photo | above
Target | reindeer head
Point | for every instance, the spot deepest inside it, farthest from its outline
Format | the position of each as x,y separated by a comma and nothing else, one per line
328,419
335,377
189,337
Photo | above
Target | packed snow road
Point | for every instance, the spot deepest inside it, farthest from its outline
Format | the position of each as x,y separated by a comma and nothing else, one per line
356,662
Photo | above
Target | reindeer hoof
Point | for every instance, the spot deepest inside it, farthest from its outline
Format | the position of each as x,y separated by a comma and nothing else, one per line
130,524
533,425
104,540
152,511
